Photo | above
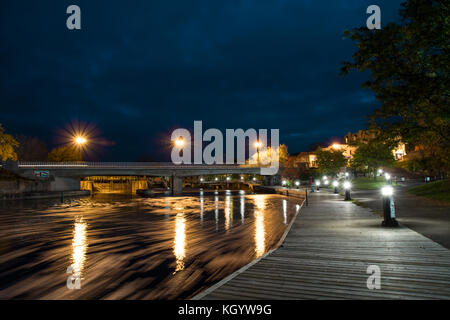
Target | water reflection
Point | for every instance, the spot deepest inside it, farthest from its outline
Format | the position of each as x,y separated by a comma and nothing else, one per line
227,212
180,241
79,247
135,248
259,225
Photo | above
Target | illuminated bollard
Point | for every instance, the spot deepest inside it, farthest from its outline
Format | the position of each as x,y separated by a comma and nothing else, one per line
318,185
347,186
297,183
388,207
335,185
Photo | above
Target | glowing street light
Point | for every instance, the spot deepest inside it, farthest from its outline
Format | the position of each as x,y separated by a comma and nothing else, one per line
228,178
387,176
318,185
283,182
326,182
336,146
258,145
297,183
79,140
216,178
387,191
347,186
242,178
346,174
179,142
335,185
201,179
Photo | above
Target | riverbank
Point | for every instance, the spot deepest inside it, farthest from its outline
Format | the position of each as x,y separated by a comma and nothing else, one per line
327,253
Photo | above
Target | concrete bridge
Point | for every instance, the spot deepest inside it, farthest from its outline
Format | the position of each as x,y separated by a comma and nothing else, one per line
66,176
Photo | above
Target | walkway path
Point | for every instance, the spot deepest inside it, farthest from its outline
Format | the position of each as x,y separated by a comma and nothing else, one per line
326,255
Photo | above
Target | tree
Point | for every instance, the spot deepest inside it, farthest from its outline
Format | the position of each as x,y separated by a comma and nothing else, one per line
31,149
330,161
7,145
64,154
409,65
371,156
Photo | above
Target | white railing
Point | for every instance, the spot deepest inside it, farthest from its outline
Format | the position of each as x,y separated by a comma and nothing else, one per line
126,165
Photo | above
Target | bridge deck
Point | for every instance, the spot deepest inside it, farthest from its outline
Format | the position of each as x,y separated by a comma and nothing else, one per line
326,255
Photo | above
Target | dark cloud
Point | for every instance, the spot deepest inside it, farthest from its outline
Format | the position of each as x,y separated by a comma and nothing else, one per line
139,69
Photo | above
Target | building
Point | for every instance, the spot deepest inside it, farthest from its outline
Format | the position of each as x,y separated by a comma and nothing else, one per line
308,160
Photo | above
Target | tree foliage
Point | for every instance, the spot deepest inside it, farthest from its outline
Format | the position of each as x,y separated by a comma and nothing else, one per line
330,161
371,156
64,154
31,149
7,145
409,73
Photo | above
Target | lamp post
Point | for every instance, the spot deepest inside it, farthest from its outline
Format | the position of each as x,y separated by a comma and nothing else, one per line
318,185
335,185
388,178
257,145
297,183
347,186
388,207
283,183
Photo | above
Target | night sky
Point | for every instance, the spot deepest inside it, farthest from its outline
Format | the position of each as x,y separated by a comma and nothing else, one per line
139,69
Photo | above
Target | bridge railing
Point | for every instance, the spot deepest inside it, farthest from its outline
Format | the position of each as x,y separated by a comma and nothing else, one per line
125,165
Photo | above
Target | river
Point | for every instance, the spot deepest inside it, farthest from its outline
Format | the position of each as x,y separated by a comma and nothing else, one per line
122,247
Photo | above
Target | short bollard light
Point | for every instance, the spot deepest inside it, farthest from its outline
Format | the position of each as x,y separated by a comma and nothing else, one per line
297,183
335,185
347,186
283,182
318,185
387,193
326,182
388,177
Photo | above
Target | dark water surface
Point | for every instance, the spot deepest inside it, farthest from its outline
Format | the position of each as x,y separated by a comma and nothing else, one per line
134,248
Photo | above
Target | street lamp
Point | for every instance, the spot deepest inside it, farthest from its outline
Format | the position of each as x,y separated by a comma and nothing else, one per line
388,207
258,145
318,185
179,142
283,182
228,178
80,140
346,174
297,183
335,185
347,186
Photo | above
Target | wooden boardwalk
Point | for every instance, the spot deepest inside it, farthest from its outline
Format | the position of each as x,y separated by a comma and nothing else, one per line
326,255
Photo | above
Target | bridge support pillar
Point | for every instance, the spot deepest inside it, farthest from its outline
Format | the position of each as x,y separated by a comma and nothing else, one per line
176,186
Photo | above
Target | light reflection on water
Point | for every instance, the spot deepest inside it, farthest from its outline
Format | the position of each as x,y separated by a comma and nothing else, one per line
180,241
134,248
79,247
